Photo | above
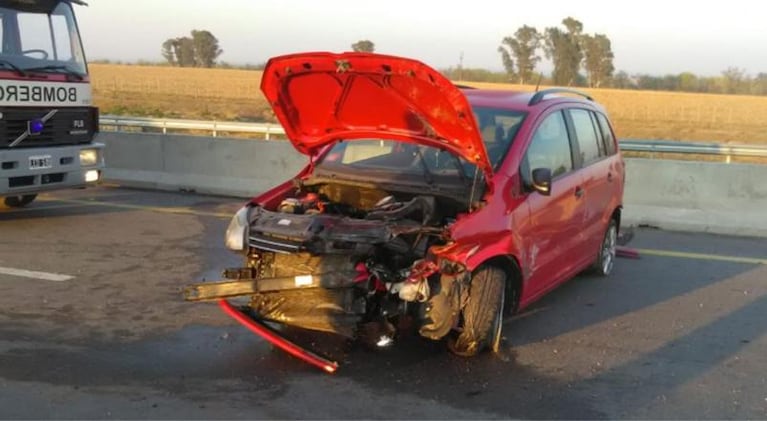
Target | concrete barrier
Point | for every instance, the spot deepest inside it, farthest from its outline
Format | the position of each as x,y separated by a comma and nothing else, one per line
678,195
697,196
229,167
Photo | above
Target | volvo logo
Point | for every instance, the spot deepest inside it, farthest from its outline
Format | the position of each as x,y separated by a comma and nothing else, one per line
34,127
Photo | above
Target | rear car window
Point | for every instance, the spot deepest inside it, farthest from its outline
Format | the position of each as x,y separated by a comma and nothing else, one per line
588,142
607,134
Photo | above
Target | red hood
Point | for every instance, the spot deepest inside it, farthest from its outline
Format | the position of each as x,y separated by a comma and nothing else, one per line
322,97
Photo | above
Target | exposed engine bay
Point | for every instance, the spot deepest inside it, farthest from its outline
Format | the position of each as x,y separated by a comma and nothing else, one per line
350,260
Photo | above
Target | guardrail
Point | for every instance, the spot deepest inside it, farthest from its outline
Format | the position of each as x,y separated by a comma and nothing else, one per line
214,127
699,148
267,130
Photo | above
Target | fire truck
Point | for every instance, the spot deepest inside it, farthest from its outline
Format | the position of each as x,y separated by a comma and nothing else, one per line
47,121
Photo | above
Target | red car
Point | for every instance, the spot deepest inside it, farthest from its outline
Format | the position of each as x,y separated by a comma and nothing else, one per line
424,205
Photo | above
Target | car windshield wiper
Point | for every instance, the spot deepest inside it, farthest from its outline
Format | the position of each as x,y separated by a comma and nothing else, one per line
14,67
426,173
460,169
56,69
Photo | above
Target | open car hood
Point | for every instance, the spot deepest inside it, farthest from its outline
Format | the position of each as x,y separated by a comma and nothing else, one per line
322,97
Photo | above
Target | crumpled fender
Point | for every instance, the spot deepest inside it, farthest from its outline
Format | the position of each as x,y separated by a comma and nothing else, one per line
471,254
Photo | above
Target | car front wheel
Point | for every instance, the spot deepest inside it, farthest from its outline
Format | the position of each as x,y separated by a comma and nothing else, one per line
483,313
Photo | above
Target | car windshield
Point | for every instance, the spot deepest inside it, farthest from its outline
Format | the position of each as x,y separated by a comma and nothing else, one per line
40,37
394,157
498,128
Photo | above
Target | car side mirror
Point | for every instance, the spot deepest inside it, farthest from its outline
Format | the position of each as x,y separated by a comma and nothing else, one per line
542,181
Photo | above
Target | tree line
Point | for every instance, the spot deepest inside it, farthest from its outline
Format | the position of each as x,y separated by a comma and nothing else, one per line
570,50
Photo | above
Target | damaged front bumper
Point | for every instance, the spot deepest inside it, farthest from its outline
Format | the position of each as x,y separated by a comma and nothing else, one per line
278,340
322,302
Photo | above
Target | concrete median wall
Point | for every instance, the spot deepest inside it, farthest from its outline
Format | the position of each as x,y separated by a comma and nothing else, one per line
697,196
679,195
229,167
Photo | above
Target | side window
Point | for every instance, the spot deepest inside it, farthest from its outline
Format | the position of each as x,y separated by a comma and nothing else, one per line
61,35
607,133
588,142
550,148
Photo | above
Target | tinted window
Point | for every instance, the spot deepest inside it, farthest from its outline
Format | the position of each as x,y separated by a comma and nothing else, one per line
550,148
588,142
607,133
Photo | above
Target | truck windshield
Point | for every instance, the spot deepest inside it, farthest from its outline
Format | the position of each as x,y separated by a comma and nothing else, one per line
40,37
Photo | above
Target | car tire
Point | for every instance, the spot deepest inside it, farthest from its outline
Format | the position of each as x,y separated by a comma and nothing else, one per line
19,201
605,261
482,314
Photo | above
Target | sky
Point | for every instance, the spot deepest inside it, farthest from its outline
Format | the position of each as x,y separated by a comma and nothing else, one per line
651,36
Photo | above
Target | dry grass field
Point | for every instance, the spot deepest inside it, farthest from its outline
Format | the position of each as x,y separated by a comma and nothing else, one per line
225,94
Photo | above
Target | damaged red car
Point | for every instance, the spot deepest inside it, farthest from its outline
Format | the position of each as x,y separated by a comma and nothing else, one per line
424,204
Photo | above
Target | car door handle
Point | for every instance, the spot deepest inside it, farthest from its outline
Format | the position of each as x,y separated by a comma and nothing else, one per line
609,177
578,192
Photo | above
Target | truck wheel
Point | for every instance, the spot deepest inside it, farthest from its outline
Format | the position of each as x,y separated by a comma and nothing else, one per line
483,313
605,261
19,201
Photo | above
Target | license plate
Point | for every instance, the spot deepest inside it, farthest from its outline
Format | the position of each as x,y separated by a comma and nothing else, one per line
40,162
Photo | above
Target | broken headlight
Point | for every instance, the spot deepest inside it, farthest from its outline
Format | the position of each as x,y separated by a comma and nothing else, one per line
238,230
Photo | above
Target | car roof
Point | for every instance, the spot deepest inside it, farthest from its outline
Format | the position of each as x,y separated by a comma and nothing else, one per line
520,100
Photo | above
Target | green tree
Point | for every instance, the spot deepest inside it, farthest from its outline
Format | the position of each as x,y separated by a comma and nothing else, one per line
622,80
206,49
563,48
167,51
597,59
201,50
688,82
364,46
522,47
735,80
759,84
183,49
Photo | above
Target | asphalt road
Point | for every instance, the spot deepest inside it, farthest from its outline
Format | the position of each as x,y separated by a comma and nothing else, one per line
98,330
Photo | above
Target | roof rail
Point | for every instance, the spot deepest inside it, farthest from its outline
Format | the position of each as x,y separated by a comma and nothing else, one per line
463,86
538,97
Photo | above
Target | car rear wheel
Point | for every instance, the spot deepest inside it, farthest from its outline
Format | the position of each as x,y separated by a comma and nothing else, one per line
605,261
483,313
19,201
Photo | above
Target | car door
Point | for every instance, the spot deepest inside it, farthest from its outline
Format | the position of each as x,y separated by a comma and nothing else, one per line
550,237
597,175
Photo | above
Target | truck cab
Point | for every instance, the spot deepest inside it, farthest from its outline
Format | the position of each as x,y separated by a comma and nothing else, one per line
47,121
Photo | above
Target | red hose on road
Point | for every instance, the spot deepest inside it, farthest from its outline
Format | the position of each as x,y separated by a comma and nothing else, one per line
277,340
626,252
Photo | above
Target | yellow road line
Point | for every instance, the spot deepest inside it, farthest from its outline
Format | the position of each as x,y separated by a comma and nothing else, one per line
158,209
703,256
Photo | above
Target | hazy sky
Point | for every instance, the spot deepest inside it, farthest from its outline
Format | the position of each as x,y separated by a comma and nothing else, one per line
649,36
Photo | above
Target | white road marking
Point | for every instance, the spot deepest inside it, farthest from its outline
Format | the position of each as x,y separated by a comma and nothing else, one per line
46,276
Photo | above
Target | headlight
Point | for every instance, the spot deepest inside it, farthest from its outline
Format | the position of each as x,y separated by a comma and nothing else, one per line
89,157
237,232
